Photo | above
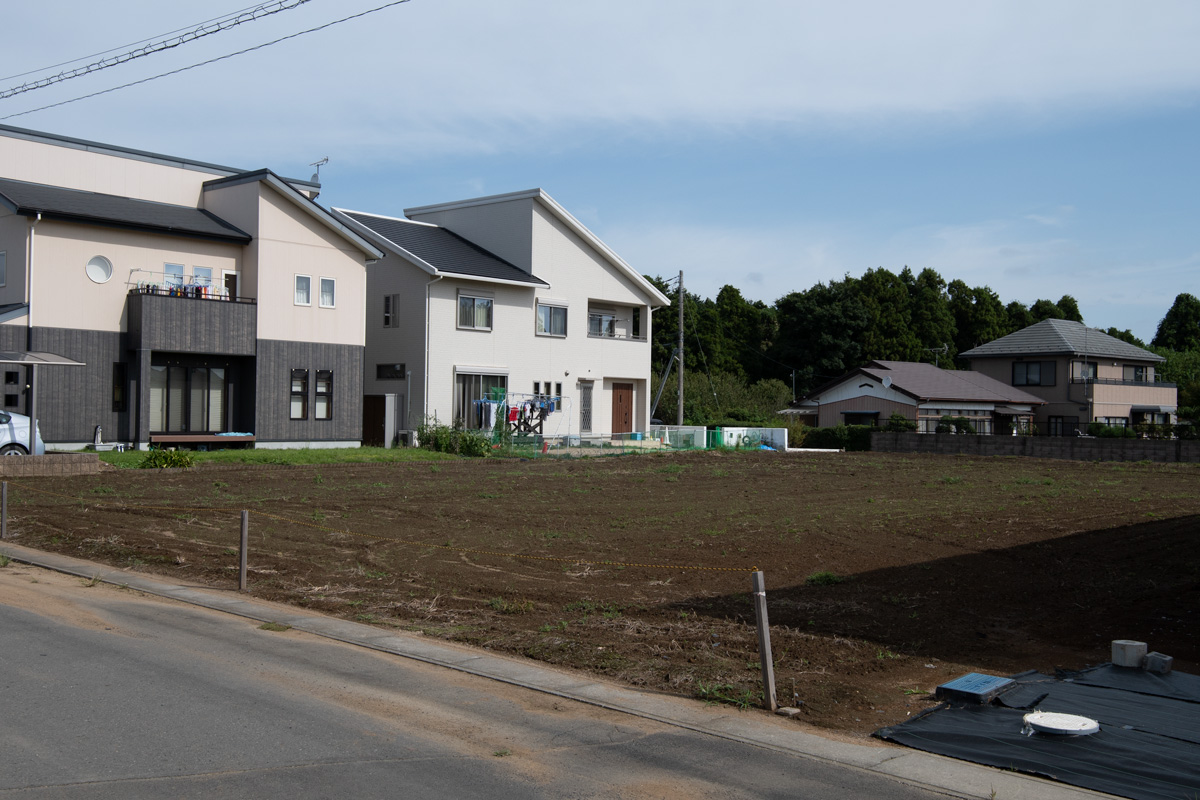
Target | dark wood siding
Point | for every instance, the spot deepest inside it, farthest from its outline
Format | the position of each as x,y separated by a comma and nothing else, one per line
276,360
191,325
72,401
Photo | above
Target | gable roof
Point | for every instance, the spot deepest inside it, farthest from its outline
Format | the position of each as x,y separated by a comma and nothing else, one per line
926,383
301,201
1060,337
439,251
94,208
564,216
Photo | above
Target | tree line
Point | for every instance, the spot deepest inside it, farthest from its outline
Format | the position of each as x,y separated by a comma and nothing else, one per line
745,360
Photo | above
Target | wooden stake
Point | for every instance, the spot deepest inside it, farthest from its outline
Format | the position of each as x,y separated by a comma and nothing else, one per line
764,641
3,509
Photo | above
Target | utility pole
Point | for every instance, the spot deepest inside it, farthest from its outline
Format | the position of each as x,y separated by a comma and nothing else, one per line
679,413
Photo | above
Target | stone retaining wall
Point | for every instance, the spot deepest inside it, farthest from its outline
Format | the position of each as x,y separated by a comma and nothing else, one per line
52,464
1075,448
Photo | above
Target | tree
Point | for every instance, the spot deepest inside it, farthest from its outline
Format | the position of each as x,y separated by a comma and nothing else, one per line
1018,316
889,334
1180,328
1069,308
1126,336
819,332
978,315
1044,310
932,320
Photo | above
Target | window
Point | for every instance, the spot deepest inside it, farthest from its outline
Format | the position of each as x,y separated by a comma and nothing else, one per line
1084,370
1033,373
202,276
184,399
1135,373
558,390
303,290
471,392
475,312
391,308
551,320
327,292
323,404
390,372
120,381
99,269
12,388
299,404
173,275
3,268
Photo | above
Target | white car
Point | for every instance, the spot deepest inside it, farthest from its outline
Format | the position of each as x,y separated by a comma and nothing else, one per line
14,435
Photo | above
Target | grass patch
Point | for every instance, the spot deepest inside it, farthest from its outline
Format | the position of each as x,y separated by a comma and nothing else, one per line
505,606
132,459
825,578
274,626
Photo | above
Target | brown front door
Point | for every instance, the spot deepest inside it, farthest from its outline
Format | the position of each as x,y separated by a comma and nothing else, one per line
622,394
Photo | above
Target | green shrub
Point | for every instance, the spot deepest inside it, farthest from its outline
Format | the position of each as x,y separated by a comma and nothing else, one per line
167,459
839,437
440,438
824,578
963,425
898,423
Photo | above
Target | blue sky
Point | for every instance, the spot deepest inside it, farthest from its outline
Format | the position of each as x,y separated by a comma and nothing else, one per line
1039,148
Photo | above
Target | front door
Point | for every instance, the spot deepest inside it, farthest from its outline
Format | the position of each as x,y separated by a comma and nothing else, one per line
622,407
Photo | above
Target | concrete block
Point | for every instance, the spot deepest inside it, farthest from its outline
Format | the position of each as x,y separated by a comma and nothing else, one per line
1128,653
1157,663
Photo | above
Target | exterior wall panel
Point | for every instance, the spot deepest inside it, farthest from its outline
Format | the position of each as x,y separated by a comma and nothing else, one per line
188,325
276,360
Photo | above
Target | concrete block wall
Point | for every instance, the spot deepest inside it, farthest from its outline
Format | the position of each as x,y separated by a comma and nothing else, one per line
1072,448
49,465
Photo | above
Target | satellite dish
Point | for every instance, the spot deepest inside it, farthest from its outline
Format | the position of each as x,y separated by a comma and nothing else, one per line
887,382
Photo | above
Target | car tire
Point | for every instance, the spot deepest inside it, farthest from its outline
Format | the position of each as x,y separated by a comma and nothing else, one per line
13,450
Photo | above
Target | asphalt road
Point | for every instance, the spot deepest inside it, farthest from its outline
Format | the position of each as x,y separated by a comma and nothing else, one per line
108,693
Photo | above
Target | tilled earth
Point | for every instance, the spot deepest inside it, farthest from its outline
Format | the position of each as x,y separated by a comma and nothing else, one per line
886,574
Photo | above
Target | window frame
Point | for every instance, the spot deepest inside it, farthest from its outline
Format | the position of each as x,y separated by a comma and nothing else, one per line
174,274
546,328
296,290
326,394
391,372
3,268
298,377
391,311
332,292
476,300
1022,368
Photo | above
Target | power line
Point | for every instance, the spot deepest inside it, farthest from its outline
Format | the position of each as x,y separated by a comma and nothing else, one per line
210,61
203,29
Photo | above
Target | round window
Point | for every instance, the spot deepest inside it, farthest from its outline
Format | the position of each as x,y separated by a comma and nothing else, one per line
99,269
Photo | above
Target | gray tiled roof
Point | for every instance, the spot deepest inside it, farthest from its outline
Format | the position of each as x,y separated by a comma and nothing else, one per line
927,382
1060,337
111,210
443,250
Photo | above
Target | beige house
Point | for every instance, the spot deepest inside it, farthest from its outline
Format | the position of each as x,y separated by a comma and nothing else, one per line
1082,374
922,393
505,302
210,305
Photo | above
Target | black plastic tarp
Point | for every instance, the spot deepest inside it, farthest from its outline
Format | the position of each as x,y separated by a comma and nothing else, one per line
1148,745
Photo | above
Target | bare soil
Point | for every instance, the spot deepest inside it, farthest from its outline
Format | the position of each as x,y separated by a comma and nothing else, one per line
886,574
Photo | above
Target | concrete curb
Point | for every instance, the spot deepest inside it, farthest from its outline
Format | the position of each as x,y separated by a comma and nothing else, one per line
936,773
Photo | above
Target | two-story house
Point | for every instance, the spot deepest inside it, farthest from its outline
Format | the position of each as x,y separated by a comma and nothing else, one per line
1083,374
210,305
506,305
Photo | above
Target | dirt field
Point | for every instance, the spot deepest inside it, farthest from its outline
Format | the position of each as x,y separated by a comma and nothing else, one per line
886,574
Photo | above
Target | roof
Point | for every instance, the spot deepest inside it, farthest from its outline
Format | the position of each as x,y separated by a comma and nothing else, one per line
925,382
1061,337
1148,745
440,251
564,216
73,205
130,153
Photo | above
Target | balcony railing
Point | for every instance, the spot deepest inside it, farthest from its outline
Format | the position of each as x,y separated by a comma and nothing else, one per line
171,284
1122,382
605,326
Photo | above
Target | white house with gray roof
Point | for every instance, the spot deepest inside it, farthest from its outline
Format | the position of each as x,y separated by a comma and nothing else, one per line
1083,375
505,302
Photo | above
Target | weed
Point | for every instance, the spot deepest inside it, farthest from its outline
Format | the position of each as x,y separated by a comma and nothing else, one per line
92,581
4,560
103,490
952,479
220,485
230,551
487,496
502,753
824,578
714,693
318,478
561,625
883,653
317,516
434,468
505,606
274,626
371,618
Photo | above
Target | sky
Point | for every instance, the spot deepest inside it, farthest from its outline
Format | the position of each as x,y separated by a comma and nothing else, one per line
1038,148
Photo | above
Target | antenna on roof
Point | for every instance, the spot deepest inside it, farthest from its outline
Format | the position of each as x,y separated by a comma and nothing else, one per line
945,348
316,178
